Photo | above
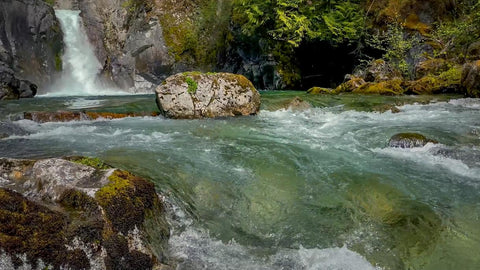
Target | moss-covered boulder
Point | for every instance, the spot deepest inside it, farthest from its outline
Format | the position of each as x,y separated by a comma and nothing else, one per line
445,82
409,140
433,66
471,78
320,90
388,88
199,95
78,213
352,83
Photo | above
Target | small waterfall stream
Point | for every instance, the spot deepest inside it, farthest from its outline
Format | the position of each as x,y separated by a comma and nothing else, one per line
80,65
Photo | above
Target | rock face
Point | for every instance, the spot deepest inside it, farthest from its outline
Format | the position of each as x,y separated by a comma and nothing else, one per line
197,95
409,140
128,41
78,213
31,44
13,88
471,78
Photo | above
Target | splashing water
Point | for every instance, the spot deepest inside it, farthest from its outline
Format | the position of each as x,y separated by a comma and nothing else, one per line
80,65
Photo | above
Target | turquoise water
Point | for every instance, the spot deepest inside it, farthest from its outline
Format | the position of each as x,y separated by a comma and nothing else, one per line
291,189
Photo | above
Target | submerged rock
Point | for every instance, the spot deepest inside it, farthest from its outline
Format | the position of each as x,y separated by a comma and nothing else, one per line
78,213
409,140
410,228
199,95
298,104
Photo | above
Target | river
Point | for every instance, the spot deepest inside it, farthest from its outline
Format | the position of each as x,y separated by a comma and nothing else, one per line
290,189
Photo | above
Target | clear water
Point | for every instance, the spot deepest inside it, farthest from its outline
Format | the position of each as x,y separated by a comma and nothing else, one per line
291,189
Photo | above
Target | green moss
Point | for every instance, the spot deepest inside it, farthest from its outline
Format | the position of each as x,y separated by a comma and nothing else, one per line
92,162
50,2
320,90
447,81
58,62
192,85
389,88
125,200
31,229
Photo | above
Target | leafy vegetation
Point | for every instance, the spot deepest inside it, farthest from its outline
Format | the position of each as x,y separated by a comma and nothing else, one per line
294,21
192,85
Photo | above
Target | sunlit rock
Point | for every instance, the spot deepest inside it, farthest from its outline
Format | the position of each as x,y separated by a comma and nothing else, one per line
200,95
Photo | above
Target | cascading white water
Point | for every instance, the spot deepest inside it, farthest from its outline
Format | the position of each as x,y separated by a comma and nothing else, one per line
80,65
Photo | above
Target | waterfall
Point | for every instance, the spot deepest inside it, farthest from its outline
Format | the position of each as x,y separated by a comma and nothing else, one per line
80,65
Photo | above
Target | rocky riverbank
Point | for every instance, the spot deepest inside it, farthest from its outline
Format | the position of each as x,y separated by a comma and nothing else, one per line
79,213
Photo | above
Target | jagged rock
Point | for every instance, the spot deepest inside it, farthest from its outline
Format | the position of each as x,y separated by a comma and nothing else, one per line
78,213
409,140
31,42
198,95
471,78
379,71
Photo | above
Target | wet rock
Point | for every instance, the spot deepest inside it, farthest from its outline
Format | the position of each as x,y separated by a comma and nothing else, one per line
67,116
386,107
409,140
298,104
473,51
471,78
78,213
199,95
8,129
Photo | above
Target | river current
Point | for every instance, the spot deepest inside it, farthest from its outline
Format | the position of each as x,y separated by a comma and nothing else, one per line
290,189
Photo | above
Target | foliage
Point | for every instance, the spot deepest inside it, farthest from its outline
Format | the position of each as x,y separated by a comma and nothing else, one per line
395,45
453,37
294,21
192,85
50,2
92,162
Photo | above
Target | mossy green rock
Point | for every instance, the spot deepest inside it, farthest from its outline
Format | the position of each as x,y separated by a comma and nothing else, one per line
320,90
409,140
207,95
78,213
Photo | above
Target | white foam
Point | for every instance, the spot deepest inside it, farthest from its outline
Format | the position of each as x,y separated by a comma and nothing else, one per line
427,155
193,248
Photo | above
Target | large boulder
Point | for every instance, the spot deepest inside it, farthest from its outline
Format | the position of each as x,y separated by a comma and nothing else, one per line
471,78
198,95
78,213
